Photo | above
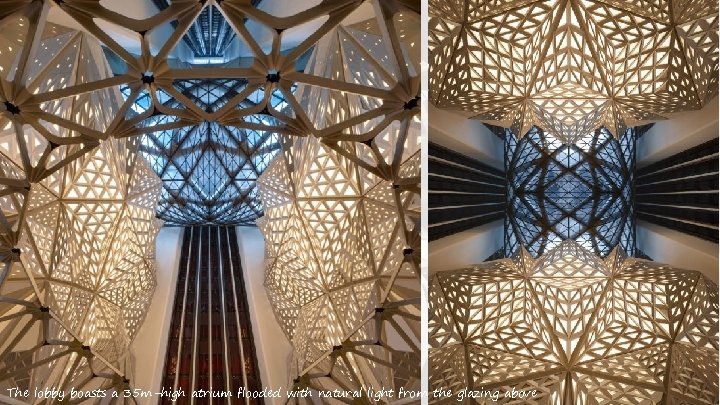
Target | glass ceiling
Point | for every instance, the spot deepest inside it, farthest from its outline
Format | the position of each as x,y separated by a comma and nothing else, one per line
343,72
580,191
208,169
209,36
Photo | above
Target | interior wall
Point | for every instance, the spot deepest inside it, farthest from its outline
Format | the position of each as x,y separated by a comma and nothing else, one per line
663,140
681,132
677,249
465,248
150,344
272,347
473,139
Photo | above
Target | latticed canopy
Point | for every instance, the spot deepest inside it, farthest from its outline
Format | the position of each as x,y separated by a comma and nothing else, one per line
571,66
38,352
208,115
80,273
209,169
581,191
576,329
341,222
87,241
77,215
210,124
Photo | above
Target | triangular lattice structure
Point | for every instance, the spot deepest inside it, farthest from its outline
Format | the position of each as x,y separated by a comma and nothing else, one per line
572,66
342,268
581,192
77,214
575,329
209,130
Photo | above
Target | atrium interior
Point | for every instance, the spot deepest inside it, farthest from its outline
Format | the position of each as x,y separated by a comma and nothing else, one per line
208,195
573,199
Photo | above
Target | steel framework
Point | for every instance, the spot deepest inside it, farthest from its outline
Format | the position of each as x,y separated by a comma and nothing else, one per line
367,94
209,169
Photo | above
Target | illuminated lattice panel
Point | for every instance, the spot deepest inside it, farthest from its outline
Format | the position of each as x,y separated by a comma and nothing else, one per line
209,169
341,249
39,138
570,67
371,79
382,53
38,352
341,220
577,329
79,210
580,192
86,237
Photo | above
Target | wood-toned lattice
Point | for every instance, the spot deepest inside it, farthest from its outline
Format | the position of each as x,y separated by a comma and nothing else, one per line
77,213
571,66
342,268
359,93
577,329
372,98
39,353
81,245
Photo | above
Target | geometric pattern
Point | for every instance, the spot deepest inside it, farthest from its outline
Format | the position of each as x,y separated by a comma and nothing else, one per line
79,272
342,267
77,212
37,352
581,191
342,208
576,329
210,35
208,169
571,66
367,69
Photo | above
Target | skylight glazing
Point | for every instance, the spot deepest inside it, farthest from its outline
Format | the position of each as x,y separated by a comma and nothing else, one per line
208,168
558,191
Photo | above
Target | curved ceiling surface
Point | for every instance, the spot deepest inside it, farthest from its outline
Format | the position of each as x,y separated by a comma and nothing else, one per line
213,87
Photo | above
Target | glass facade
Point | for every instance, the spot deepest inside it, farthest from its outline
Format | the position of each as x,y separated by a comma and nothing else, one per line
559,191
